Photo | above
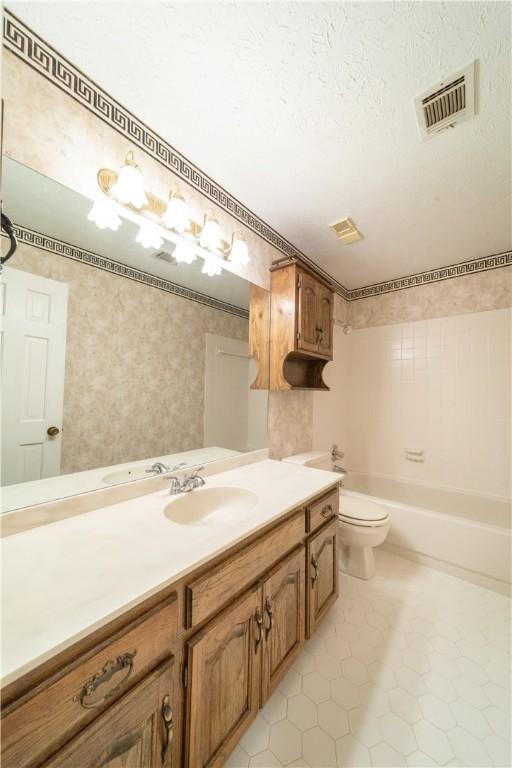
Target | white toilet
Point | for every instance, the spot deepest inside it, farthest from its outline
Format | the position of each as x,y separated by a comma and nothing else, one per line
362,524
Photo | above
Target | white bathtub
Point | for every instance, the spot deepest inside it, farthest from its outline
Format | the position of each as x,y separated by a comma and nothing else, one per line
462,533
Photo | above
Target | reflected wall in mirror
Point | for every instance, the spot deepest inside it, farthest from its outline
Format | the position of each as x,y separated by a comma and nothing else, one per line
114,356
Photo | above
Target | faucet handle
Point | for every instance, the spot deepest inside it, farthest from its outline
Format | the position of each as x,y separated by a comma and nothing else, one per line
174,487
336,453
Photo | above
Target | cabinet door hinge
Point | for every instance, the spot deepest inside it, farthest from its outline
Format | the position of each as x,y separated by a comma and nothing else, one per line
184,675
299,280
298,335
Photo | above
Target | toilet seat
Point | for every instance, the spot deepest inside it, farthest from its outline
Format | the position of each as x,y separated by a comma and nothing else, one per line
361,512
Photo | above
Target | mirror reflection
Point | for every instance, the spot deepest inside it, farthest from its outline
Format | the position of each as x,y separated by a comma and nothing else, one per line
118,362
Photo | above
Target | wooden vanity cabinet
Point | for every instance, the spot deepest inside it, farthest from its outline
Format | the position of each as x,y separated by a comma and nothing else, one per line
223,683
322,574
176,681
138,731
284,617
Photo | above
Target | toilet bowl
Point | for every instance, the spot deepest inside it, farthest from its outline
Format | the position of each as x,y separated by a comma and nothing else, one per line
362,524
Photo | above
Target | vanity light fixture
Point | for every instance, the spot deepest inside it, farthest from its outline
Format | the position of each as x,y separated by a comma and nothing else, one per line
104,214
176,214
149,235
126,196
184,253
212,265
209,236
129,187
239,253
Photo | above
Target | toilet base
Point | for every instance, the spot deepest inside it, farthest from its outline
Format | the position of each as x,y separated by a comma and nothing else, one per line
357,561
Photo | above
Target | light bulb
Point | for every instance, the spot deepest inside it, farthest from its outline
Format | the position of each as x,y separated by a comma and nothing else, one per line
149,235
184,253
176,214
210,234
239,252
211,266
104,214
129,187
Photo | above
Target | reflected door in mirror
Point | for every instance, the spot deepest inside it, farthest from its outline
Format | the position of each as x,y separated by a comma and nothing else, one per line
34,344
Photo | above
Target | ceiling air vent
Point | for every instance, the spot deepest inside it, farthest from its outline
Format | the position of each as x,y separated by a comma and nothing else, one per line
346,231
165,256
447,103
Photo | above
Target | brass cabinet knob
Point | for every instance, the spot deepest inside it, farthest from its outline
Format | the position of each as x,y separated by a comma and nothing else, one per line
52,431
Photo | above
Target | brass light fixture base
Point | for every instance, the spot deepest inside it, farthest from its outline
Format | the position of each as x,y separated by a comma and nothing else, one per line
155,207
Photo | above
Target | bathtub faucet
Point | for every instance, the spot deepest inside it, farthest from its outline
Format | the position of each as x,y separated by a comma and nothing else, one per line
336,454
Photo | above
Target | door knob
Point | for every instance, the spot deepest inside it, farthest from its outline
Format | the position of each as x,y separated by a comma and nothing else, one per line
52,431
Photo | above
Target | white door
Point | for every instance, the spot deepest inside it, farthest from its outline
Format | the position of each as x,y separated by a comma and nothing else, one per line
34,314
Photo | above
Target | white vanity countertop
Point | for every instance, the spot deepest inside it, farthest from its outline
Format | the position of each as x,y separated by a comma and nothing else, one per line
64,580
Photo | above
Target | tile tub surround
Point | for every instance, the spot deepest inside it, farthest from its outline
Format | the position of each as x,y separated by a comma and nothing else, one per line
411,668
136,552
442,385
145,417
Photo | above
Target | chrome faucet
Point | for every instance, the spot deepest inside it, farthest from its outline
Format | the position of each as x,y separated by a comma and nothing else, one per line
159,468
189,482
336,455
163,469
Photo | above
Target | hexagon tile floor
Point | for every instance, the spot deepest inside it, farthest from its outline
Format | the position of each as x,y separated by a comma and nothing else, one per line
411,668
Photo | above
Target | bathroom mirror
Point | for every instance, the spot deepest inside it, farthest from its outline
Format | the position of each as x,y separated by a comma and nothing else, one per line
115,356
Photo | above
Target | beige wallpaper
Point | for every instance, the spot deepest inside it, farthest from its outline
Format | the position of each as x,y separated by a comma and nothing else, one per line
135,356
290,423
51,133
460,295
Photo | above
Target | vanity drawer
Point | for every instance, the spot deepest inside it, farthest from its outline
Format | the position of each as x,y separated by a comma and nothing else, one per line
209,593
40,722
321,510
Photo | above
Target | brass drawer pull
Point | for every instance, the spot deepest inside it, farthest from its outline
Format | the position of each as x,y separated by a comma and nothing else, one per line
109,670
327,511
168,725
259,623
314,563
270,614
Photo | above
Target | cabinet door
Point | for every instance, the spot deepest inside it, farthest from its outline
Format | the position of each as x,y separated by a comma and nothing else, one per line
325,321
137,731
322,574
224,667
284,619
308,317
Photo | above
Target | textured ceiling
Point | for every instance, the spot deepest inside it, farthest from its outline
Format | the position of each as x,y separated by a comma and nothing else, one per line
304,111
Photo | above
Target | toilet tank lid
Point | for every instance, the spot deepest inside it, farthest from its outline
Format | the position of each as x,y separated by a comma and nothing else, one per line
309,458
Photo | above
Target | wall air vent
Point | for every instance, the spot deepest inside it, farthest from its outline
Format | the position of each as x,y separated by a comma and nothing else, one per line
346,231
447,103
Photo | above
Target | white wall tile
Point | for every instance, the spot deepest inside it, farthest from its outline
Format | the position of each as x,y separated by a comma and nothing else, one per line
442,385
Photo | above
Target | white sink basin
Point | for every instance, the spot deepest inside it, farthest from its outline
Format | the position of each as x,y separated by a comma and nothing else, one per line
207,506
124,475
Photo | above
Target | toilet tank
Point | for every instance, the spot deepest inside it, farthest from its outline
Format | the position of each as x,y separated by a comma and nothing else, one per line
316,459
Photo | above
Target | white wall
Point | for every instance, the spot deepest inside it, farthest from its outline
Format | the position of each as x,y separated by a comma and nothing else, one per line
442,385
234,415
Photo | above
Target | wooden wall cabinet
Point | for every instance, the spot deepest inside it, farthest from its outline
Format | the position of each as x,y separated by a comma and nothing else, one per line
301,338
175,682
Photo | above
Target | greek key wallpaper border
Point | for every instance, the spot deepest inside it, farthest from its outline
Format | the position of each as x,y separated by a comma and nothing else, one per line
30,48
36,53
433,276
59,247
